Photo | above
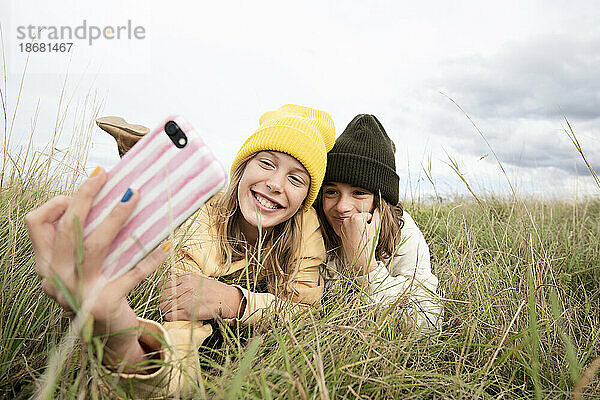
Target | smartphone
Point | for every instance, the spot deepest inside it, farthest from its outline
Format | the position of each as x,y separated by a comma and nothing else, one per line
175,174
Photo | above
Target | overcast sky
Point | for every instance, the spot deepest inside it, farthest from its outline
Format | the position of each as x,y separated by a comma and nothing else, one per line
516,68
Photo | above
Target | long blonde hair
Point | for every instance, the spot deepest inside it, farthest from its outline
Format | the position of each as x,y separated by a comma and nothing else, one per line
389,236
275,255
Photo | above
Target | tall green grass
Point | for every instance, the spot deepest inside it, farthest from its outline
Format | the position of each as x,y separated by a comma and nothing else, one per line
521,316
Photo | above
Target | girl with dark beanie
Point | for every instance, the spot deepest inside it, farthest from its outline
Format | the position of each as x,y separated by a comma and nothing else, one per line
359,195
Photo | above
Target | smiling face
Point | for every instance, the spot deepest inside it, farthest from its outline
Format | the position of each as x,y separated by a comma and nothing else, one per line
341,201
274,186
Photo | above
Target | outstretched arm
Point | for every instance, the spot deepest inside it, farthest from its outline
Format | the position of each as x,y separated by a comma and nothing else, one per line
70,269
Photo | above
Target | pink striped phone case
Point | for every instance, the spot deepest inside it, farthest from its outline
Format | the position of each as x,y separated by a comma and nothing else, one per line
173,183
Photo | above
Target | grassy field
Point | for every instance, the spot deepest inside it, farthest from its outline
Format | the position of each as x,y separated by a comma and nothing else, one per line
520,279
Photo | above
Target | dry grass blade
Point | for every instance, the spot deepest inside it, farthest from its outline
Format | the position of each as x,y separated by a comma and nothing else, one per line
586,378
4,106
427,170
571,134
514,192
318,357
453,164
490,362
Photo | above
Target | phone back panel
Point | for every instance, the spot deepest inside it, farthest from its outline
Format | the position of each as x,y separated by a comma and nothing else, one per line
173,183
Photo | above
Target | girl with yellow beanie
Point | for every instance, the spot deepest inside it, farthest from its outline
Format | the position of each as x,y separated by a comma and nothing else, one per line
261,230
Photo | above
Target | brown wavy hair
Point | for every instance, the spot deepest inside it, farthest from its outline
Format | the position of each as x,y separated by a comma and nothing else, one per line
272,261
389,236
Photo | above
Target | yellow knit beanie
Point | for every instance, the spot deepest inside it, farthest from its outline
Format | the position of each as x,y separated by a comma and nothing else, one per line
302,132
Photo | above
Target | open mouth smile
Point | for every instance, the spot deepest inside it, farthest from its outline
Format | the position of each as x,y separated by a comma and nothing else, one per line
264,203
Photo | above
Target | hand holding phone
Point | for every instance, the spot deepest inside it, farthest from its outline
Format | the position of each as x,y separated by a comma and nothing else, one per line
77,283
175,174
172,174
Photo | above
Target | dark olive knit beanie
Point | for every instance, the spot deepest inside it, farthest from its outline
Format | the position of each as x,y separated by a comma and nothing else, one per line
363,156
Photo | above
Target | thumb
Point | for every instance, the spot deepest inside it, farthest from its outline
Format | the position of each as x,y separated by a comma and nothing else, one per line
40,226
125,283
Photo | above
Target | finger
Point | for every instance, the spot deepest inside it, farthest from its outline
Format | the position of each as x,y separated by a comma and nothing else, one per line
141,271
182,279
376,216
82,202
178,296
49,212
76,214
165,306
177,281
355,228
165,296
166,287
48,288
170,306
177,315
42,232
361,218
168,317
98,242
349,226
170,288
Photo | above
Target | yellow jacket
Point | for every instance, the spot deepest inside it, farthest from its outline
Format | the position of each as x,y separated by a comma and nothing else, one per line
182,339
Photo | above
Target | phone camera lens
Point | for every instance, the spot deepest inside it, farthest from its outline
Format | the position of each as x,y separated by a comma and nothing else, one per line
176,135
171,128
